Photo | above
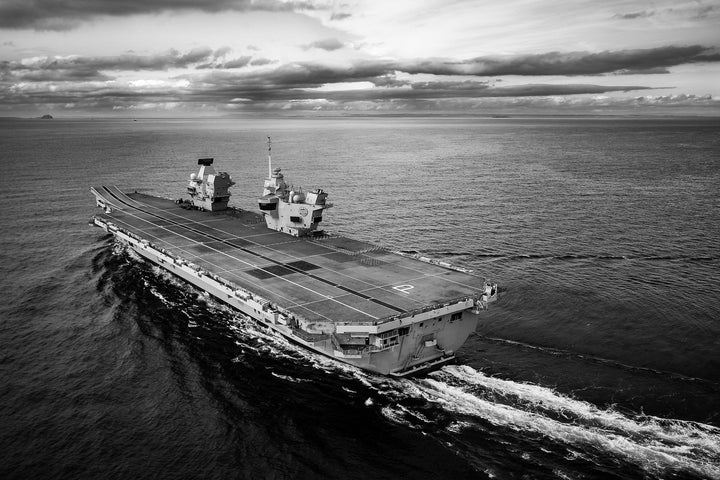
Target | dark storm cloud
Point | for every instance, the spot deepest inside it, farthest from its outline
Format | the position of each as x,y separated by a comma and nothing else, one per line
66,14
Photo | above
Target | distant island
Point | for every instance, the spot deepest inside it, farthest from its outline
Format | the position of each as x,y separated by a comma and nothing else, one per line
47,117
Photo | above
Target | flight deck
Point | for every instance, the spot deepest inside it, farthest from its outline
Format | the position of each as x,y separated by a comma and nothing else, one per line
320,278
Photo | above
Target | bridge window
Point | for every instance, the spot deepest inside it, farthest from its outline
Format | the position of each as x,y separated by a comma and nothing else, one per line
388,334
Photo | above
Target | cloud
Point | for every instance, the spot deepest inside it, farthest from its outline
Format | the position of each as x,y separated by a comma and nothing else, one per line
99,94
674,100
90,68
212,77
182,96
328,44
682,10
567,63
68,14
390,80
221,52
379,72
599,104
384,72
642,71
304,82
77,66
280,85
237,62
340,16
76,75
296,76
634,15
705,11
258,62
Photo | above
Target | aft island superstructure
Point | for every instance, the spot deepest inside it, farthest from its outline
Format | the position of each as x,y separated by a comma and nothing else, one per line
351,300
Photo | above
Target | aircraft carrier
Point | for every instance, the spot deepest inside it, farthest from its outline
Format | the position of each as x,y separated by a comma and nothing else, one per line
350,300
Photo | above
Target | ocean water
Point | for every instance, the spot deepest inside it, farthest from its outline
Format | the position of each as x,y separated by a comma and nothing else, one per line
601,358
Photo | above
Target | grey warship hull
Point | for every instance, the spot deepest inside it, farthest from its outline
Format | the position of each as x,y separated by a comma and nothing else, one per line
349,300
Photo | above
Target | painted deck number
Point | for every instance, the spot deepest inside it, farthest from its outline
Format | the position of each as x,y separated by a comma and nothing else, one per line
404,288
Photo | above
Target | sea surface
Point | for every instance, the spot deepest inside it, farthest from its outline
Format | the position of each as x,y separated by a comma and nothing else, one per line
601,359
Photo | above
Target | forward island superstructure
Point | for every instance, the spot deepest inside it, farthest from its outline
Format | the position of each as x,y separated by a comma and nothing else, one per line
347,299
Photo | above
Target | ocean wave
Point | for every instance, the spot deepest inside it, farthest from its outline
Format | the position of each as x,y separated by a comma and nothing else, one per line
599,360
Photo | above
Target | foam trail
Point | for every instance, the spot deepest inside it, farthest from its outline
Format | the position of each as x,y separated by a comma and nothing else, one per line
289,378
693,433
658,446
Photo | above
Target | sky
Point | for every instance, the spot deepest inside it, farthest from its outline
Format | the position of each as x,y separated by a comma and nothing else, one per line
227,57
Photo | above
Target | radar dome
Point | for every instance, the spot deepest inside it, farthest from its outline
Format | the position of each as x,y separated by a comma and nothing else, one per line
193,176
298,198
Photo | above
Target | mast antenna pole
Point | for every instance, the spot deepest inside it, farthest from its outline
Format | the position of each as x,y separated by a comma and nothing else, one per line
269,159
